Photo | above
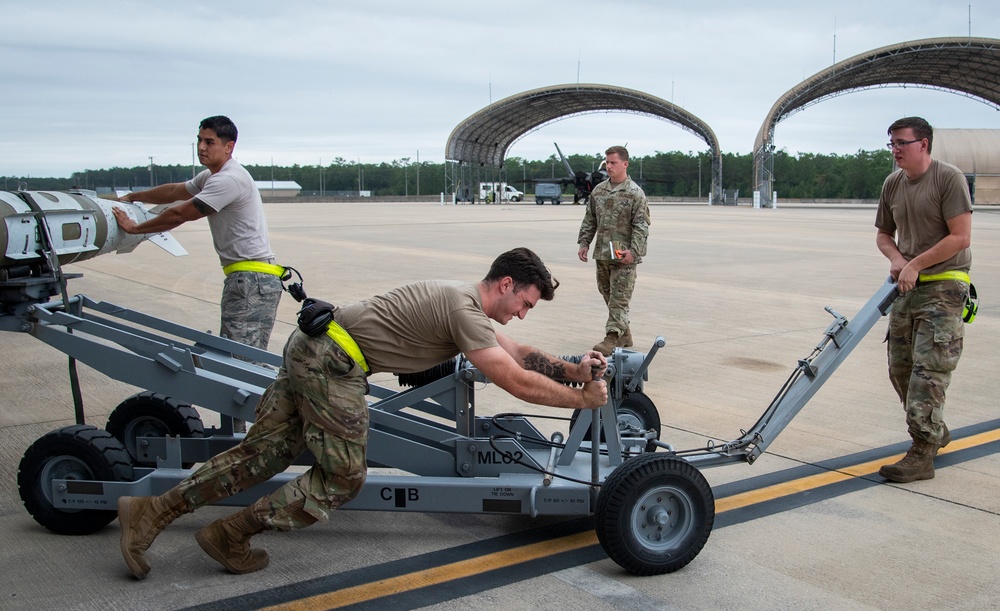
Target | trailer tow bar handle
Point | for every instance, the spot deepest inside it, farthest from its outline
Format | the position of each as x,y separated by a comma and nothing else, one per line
634,382
557,438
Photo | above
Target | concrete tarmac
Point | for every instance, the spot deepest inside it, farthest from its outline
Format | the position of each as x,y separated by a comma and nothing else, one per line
737,293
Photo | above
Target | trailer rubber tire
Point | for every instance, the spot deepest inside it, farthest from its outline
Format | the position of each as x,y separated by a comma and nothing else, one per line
150,414
636,409
79,452
654,514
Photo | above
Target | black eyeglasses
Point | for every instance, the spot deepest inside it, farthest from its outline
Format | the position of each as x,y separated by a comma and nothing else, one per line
900,143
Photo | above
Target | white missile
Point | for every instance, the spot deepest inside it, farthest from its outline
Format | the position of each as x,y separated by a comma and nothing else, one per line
81,226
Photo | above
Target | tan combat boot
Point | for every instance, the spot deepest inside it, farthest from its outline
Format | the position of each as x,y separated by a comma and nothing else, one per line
917,464
142,518
227,541
609,343
625,340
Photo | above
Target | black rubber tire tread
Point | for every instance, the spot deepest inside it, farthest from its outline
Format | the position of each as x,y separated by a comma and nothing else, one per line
627,486
101,457
180,420
637,403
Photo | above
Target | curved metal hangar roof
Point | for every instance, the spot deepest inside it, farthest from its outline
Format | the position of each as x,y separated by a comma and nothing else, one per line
966,66
485,137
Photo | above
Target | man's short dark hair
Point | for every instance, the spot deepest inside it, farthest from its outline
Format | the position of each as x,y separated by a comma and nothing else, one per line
525,269
223,127
621,151
921,129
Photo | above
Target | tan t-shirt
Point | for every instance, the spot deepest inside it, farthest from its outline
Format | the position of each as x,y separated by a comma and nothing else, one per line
917,212
417,326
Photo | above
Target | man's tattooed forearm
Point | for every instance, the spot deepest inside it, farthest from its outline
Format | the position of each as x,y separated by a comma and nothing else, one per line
536,361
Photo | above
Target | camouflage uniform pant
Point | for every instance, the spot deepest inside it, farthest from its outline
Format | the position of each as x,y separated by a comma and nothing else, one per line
616,283
317,402
924,344
249,305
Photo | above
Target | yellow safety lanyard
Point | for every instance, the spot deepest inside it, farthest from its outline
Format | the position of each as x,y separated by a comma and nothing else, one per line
345,341
971,300
256,266
952,275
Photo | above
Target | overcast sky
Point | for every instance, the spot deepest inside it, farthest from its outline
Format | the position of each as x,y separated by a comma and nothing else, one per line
95,85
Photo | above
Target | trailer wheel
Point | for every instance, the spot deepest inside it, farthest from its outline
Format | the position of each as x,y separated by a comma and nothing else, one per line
79,452
636,410
150,414
654,514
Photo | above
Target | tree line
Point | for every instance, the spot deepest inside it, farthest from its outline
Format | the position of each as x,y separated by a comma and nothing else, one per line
678,174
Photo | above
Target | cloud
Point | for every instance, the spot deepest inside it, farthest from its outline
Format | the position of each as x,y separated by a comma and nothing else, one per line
90,86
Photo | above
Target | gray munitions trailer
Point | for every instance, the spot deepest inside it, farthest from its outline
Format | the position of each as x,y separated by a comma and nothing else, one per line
654,509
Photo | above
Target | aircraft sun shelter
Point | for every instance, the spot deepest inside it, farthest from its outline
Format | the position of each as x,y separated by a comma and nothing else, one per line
963,65
483,139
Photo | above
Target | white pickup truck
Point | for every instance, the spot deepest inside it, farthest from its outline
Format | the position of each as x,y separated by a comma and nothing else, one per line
492,192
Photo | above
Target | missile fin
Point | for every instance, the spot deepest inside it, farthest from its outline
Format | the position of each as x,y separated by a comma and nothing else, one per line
168,243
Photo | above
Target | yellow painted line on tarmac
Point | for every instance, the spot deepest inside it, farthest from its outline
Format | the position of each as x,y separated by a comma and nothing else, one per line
497,560
439,574
752,497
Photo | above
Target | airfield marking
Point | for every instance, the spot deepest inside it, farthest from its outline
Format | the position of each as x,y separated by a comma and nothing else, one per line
439,574
498,560
811,482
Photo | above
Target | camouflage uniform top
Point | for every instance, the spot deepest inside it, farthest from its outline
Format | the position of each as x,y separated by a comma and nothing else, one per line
417,326
616,213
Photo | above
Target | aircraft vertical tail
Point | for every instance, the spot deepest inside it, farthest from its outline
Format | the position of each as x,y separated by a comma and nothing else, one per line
569,169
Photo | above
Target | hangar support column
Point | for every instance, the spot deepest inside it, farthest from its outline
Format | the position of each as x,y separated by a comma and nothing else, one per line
716,193
763,173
